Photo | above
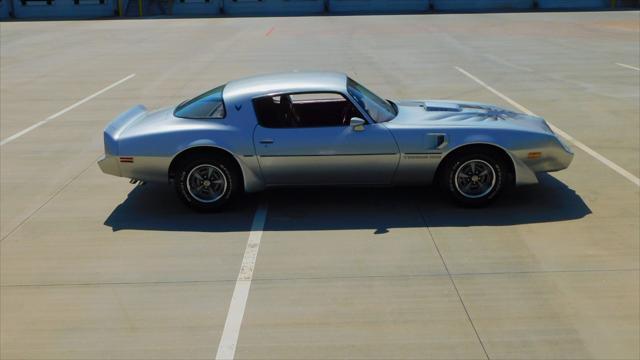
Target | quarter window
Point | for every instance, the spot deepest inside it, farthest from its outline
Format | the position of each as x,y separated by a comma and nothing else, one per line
206,106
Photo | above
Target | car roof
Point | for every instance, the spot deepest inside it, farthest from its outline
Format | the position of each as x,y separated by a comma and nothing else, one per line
286,82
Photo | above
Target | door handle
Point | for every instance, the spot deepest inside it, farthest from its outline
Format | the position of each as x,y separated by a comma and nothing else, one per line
266,141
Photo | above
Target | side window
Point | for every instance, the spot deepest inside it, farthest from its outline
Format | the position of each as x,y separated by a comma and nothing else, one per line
268,111
206,106
304,110
316,97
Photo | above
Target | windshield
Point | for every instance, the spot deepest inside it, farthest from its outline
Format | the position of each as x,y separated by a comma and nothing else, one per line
379,109
206,106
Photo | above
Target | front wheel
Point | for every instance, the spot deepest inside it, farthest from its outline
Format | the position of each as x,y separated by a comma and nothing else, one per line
206,183
475,179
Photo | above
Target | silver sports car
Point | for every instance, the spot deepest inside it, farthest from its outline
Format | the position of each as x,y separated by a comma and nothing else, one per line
324,128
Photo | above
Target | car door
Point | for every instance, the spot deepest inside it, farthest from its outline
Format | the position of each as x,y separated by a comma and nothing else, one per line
319,150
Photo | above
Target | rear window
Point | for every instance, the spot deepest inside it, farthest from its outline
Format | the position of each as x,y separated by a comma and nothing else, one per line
206,106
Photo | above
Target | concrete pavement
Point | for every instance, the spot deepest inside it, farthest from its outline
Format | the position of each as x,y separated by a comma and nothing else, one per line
92,267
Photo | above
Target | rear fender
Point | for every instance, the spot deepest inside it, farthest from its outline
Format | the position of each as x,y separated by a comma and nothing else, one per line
248,163
114,129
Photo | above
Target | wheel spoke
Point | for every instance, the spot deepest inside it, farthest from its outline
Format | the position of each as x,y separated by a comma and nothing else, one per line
206,183
475,178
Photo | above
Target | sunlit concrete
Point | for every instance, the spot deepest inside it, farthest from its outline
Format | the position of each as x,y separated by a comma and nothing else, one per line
93,267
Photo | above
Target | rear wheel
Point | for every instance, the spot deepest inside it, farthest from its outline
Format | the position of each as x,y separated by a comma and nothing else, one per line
475,178
206,183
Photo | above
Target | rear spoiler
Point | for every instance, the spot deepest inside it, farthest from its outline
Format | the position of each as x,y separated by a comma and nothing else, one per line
114,129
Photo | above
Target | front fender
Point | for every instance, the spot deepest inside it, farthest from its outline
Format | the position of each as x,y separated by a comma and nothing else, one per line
523,174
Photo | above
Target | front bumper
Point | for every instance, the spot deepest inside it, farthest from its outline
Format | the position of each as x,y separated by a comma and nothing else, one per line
109,165
561,158
553,156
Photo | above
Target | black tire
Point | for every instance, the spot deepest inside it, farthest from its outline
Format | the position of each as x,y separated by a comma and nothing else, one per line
482,189
221,168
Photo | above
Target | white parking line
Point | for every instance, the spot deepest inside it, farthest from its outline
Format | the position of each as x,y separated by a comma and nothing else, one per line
40,123
229,338
502,61
629,66
558,131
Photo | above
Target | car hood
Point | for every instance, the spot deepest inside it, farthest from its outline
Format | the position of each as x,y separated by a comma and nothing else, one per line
453,113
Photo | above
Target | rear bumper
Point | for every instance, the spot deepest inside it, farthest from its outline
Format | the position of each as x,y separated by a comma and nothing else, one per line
145,168
109,165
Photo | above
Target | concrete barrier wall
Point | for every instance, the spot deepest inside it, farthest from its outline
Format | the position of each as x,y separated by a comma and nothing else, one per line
64,9
478,5
196,7
378,6
93,8
4,9
273,7
573,4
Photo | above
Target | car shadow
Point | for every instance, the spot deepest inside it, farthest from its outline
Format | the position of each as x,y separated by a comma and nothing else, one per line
156,207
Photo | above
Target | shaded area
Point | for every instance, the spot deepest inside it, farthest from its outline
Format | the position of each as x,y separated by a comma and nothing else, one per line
549,201
156,207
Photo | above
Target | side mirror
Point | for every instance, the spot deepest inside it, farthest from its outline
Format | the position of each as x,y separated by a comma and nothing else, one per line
357,124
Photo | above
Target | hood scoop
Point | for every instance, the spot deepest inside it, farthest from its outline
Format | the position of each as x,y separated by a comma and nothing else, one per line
441,106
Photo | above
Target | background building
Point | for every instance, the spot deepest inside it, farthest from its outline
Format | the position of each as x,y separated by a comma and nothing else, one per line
34,9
